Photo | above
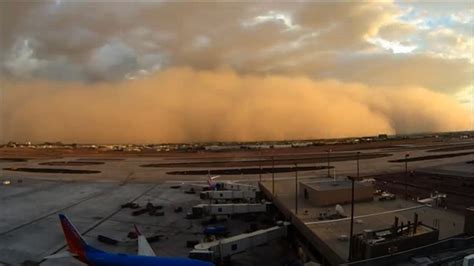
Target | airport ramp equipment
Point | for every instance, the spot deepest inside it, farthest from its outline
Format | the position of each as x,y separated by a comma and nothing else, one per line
224,248
216,230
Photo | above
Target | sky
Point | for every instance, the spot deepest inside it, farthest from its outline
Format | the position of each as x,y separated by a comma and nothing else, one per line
153,71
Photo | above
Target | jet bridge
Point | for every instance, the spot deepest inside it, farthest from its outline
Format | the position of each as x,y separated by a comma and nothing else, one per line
229,209
224,248
229,195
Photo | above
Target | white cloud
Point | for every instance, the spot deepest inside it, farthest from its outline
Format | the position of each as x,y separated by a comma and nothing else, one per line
272,16
448,43
315,39
393,46
22,61
465,17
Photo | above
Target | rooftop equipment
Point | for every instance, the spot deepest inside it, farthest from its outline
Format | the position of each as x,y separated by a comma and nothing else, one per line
401,237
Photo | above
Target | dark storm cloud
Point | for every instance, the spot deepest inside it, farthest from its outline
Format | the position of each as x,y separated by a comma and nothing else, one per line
103,42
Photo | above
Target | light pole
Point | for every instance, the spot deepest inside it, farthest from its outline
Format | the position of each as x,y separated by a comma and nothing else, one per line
260,166
352,206
329,162
273,176
358,155
406,175
296,188
352,215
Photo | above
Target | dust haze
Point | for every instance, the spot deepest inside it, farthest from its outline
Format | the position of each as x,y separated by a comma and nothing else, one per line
187,105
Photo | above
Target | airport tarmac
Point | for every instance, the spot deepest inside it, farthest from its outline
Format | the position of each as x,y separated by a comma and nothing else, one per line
129,169
461,169
29,232
29,228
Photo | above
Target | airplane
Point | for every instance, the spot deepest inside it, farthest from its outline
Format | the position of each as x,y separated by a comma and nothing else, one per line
79,249
211,184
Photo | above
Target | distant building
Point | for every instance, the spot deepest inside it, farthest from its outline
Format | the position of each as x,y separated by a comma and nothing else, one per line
11,144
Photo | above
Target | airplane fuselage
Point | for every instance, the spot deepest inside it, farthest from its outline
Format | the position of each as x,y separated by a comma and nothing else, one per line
99,258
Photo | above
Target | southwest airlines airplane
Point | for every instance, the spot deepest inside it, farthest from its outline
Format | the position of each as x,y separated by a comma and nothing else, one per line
79,249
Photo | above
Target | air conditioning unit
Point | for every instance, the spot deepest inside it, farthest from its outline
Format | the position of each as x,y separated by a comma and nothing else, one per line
368,234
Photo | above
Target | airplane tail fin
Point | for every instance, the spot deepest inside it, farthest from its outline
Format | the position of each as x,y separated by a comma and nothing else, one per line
75,243
136,230
144,248
210,180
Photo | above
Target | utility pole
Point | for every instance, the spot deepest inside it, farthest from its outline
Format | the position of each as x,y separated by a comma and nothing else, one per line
296,188
406,175
260,164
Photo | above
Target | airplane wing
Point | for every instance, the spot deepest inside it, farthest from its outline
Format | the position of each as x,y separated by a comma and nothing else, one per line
144,248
